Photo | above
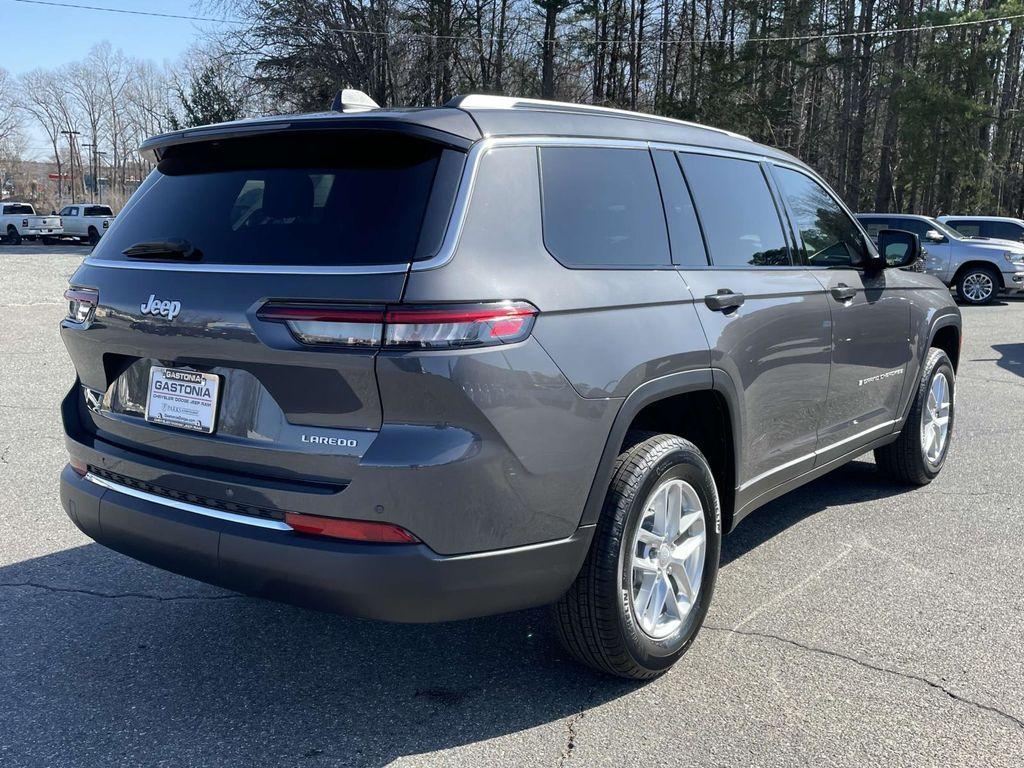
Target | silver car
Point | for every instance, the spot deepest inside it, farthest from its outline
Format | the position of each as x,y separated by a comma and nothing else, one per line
979,267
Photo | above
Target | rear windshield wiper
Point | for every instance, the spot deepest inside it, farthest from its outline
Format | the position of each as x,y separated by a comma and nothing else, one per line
177,248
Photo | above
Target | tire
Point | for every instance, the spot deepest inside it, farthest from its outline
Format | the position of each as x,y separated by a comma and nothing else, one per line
977,286
597,619
913,459
94,236
49,241
12,235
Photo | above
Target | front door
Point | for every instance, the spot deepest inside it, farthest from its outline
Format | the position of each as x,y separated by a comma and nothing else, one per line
766,320
871,348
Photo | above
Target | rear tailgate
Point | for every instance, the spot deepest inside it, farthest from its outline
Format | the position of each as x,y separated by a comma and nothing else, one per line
45,223
316,218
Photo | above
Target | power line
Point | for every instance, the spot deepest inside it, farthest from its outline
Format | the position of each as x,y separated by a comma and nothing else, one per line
481,38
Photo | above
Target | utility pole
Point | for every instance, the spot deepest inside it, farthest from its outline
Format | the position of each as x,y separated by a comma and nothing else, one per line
71,145
92,169
99,189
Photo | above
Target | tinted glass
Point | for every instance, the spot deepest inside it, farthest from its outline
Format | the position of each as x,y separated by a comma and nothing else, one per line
1004,230
97,210
69,211
683,228
602,207
830,237
19,210
875,225
919,227
967,228
310,199
736,208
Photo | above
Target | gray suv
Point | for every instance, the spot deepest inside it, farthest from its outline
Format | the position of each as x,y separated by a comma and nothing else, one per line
978,267
430,364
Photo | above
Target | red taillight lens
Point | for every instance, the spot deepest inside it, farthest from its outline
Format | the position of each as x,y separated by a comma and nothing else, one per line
81,304
407,327
80,467
350,530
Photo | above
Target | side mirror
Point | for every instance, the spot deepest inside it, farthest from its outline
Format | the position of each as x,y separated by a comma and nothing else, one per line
934,236
898,248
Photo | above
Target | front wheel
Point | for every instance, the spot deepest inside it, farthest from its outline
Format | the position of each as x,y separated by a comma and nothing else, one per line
647,582
978,285
917,456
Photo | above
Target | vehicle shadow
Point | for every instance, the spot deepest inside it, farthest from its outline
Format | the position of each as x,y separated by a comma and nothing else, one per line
106,661
1011,357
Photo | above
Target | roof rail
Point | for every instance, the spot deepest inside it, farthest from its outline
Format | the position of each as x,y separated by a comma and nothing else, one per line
485,101
350,100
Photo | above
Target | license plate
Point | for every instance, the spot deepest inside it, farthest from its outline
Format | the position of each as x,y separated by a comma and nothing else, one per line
183,399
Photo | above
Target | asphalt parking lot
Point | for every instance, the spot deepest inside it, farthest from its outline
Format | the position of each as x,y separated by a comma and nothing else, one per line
855,622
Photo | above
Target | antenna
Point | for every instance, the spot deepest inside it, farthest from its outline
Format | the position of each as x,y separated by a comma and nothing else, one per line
350,100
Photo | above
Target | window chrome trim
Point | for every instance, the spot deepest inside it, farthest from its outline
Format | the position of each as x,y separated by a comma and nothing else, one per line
815,454
460,209
196,509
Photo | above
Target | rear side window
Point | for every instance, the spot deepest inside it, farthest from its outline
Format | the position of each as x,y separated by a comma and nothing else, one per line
602,207
830,237
741,222
1002,230
319,199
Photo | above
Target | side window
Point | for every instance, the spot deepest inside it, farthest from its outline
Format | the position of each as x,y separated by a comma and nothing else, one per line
874,226
919,227
968,228
737,211
1003,230
65,211
683,227
602,207
830,237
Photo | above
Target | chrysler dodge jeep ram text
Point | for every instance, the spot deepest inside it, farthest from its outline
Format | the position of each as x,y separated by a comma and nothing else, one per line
429,364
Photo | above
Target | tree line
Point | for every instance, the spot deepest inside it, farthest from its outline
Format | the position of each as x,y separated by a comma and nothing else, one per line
926,120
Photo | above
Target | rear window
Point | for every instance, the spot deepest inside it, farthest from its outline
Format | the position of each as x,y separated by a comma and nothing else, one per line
19,210
98,210
317,199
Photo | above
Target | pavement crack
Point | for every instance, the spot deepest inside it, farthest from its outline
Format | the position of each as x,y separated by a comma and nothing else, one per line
115,595
571,729
875,667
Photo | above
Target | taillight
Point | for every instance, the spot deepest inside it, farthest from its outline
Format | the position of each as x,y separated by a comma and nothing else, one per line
81,304
406,327
350,530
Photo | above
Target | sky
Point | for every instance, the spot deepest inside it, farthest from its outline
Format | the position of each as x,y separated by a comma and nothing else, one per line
44,35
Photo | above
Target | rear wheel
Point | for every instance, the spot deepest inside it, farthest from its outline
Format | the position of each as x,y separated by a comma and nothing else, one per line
918,454
94,236
978,285
646,585
12,235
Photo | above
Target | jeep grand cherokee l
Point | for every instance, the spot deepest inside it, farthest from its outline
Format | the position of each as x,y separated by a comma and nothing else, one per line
429,364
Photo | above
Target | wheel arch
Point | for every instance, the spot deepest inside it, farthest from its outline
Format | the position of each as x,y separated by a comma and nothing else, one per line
978,263
699,405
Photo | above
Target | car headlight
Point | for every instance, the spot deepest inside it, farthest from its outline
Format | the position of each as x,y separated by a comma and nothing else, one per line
1014,258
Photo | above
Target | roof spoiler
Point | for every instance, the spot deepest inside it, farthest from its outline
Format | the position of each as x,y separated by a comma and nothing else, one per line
350,100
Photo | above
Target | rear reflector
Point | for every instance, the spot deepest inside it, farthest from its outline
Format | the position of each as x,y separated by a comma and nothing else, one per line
80,467
408,327
350,530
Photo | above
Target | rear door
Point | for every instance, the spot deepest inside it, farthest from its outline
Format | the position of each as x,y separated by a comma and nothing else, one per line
326,219
870,328
766,319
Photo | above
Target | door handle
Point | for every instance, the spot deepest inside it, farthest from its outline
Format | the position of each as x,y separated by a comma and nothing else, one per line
724,300
843,292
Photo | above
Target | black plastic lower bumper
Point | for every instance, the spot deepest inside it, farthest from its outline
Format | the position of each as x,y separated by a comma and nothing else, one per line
408,583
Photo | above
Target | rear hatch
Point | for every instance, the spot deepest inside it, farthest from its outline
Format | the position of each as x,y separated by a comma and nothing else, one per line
175,362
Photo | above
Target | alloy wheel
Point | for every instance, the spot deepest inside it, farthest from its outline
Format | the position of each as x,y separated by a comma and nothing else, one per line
935,419
978,286
667,558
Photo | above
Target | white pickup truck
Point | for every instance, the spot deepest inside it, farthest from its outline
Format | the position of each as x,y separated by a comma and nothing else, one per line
86,221
18,221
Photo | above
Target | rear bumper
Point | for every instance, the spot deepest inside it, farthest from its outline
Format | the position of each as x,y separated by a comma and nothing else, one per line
407,583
